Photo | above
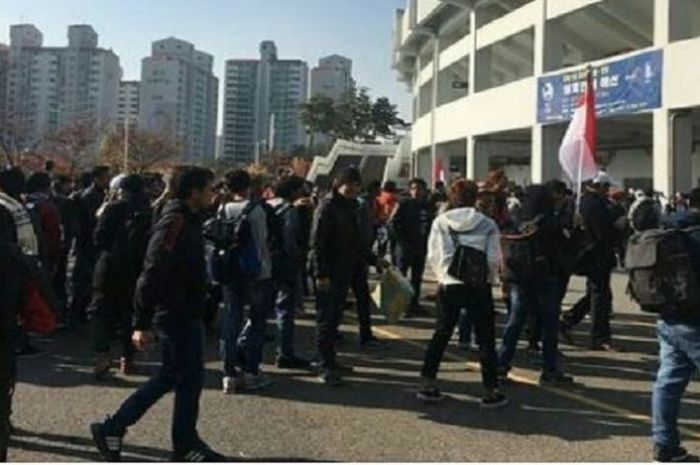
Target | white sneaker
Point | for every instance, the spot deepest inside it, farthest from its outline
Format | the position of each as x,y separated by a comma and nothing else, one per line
230,385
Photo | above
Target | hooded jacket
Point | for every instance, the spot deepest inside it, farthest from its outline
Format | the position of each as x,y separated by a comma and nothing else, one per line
339,242
172,289
471,229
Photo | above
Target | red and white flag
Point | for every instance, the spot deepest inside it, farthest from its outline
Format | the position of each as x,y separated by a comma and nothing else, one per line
438,171
578,149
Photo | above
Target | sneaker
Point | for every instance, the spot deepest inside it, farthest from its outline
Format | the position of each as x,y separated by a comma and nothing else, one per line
255,382
342,369
127,367
108,444
330,378
494,401
678,454
232,384
604,347
429,395
566,336
292,363
28,352
201,453
556,377
374,343
103,363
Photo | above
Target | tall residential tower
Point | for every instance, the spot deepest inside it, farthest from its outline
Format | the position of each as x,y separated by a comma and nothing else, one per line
179,95
261,105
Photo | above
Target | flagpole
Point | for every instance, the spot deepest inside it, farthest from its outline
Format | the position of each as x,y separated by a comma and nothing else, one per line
581,152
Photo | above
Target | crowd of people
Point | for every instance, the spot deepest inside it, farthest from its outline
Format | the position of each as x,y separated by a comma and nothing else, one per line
140,258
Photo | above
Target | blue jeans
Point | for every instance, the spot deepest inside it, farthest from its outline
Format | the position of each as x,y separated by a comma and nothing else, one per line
285,308
679,357
182,370
243,344
544,299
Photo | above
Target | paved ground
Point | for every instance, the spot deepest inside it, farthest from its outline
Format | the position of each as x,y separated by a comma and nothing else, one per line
374,417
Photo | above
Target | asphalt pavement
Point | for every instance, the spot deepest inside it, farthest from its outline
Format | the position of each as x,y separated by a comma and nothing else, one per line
374,417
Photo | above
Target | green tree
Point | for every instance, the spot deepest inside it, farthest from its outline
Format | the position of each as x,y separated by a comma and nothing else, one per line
384,117
318,116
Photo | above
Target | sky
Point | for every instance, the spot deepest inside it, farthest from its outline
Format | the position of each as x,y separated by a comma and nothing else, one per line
302,29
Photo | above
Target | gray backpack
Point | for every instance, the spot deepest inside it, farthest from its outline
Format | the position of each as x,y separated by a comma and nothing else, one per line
662,276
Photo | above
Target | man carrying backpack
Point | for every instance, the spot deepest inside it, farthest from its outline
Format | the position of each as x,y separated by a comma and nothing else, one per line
410,225
252,284
679,342
287,191
121,237
465,253
534,269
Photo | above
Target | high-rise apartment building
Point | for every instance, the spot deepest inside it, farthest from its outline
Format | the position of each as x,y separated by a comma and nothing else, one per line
261,105
179,96
4,72
51,87
332,77
128,109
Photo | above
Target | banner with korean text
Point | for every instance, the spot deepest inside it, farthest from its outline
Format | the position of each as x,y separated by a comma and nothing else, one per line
626,86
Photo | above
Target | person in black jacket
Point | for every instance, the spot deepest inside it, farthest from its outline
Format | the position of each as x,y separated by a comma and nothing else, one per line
121,237
538,292
87,202
410,225
340,253
597,264
171,296
11,297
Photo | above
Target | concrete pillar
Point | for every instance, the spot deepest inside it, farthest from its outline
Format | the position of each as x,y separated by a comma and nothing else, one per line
663,166
662,22
471,157
433,113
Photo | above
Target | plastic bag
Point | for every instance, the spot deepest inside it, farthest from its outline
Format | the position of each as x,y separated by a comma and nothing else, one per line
393,295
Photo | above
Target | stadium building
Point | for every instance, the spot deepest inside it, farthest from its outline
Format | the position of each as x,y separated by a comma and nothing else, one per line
494,83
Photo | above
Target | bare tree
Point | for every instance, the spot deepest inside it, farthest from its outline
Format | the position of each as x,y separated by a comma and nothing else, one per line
75,143
147,150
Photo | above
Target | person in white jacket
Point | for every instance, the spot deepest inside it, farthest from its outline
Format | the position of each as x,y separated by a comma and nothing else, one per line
463,226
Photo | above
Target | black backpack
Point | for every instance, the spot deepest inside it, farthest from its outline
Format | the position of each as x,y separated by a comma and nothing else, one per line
662,277
468,264
275,239
232,255
524,257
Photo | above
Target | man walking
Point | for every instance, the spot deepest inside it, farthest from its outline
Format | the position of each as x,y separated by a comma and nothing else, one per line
410,225
171,300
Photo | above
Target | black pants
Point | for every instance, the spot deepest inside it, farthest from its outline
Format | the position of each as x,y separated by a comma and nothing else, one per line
481,314
330,312
111,315
407,258
597,301
81,285
7,382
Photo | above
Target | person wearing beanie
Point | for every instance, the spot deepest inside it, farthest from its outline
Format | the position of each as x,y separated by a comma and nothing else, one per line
340,254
